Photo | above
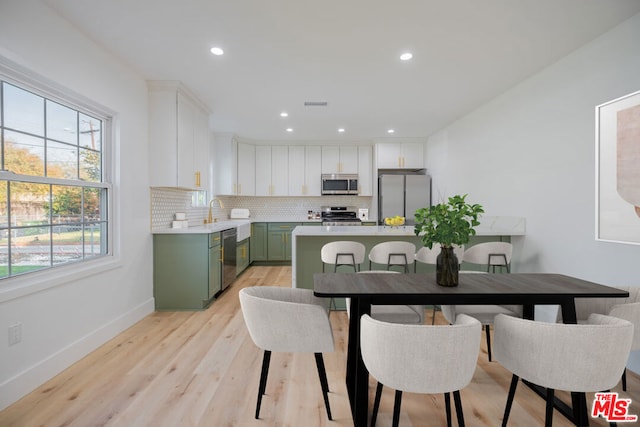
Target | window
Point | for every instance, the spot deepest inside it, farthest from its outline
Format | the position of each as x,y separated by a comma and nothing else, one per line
53,190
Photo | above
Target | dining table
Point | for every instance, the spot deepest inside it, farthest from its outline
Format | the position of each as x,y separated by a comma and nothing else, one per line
526,289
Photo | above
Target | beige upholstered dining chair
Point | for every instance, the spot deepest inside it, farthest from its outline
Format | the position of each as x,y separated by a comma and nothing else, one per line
342,253
288,320
393,253
557,356
484,313
398,254
420,359
430,256
491,254
623,308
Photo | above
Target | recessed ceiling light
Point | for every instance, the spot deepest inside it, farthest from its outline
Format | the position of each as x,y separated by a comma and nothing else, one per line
217,51
289,130
284,114
406,56
340,130
390,131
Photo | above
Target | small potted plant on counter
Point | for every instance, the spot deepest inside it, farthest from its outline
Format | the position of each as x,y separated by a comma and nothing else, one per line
447,224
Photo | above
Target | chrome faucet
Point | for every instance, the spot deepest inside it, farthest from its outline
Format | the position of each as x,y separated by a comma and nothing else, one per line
210,218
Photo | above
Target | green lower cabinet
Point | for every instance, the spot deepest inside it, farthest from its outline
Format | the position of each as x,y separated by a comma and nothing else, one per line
279,240
215,264
258,242
242,256
186,270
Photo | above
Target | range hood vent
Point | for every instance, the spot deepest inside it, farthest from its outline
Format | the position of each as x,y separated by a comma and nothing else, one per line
315,103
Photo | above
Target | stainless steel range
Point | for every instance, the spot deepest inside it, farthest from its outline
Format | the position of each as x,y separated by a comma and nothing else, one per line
339,215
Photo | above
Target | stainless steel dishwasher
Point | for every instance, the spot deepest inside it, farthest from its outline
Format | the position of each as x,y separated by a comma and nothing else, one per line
228,257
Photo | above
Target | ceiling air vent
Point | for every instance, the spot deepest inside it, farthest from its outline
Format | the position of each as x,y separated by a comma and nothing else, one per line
315,103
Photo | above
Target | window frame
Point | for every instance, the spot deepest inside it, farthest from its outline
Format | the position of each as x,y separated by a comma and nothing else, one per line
22,284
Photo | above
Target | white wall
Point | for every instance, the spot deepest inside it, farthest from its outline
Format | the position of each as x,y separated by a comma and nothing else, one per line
63,323
531,153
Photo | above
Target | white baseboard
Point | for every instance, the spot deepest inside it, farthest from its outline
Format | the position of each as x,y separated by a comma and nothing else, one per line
28,380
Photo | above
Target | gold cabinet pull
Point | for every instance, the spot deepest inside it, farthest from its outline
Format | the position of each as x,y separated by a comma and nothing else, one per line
197,179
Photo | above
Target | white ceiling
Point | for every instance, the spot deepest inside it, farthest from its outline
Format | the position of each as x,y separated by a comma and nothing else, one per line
281,53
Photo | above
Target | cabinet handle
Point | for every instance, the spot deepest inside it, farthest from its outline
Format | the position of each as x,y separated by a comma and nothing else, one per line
197,179
239,188
222,254
244,252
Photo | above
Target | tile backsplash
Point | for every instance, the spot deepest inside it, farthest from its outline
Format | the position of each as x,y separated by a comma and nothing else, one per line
165,202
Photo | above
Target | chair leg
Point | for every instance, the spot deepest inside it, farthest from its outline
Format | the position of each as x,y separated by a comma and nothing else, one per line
548,416
433,319
487,329
376,404
447,407
396,408
512,393
624,380
322,373
458,402
611,423
266,358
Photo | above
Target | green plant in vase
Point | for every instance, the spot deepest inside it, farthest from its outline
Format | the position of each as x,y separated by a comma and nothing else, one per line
447,224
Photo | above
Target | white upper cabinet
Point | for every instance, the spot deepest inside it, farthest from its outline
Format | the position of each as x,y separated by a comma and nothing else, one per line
400,155
339,159
365,171
304,170
224,155
312,170
179,136
272,170
279,170
246,180
296,170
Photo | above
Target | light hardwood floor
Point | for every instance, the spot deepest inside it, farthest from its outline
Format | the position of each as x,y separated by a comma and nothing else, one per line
202,369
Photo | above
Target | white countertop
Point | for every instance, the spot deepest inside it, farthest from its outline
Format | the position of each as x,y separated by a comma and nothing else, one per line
205,229
489,226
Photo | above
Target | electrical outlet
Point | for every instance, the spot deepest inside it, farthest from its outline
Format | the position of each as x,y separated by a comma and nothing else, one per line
15,333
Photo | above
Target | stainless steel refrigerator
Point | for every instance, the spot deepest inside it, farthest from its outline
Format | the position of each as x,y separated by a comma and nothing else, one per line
402,194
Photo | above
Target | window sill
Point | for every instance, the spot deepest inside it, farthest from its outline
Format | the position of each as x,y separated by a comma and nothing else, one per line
20,286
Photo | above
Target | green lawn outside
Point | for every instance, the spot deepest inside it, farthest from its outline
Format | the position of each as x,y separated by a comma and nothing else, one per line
69,237
4,270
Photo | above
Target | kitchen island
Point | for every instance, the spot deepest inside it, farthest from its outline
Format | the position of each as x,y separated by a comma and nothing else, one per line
308,241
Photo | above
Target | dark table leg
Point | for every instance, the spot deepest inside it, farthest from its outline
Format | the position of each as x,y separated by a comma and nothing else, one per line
357,376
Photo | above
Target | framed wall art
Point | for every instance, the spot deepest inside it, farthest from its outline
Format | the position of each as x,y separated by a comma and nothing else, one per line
618,170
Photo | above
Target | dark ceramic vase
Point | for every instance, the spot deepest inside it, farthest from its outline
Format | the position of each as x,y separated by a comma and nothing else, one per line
447,267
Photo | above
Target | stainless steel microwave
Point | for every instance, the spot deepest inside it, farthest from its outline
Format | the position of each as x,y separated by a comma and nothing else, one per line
340,184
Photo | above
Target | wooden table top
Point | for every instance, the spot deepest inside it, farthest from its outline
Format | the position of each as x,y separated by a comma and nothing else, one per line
510,288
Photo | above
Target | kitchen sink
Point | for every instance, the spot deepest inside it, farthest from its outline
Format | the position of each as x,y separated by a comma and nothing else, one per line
243,231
